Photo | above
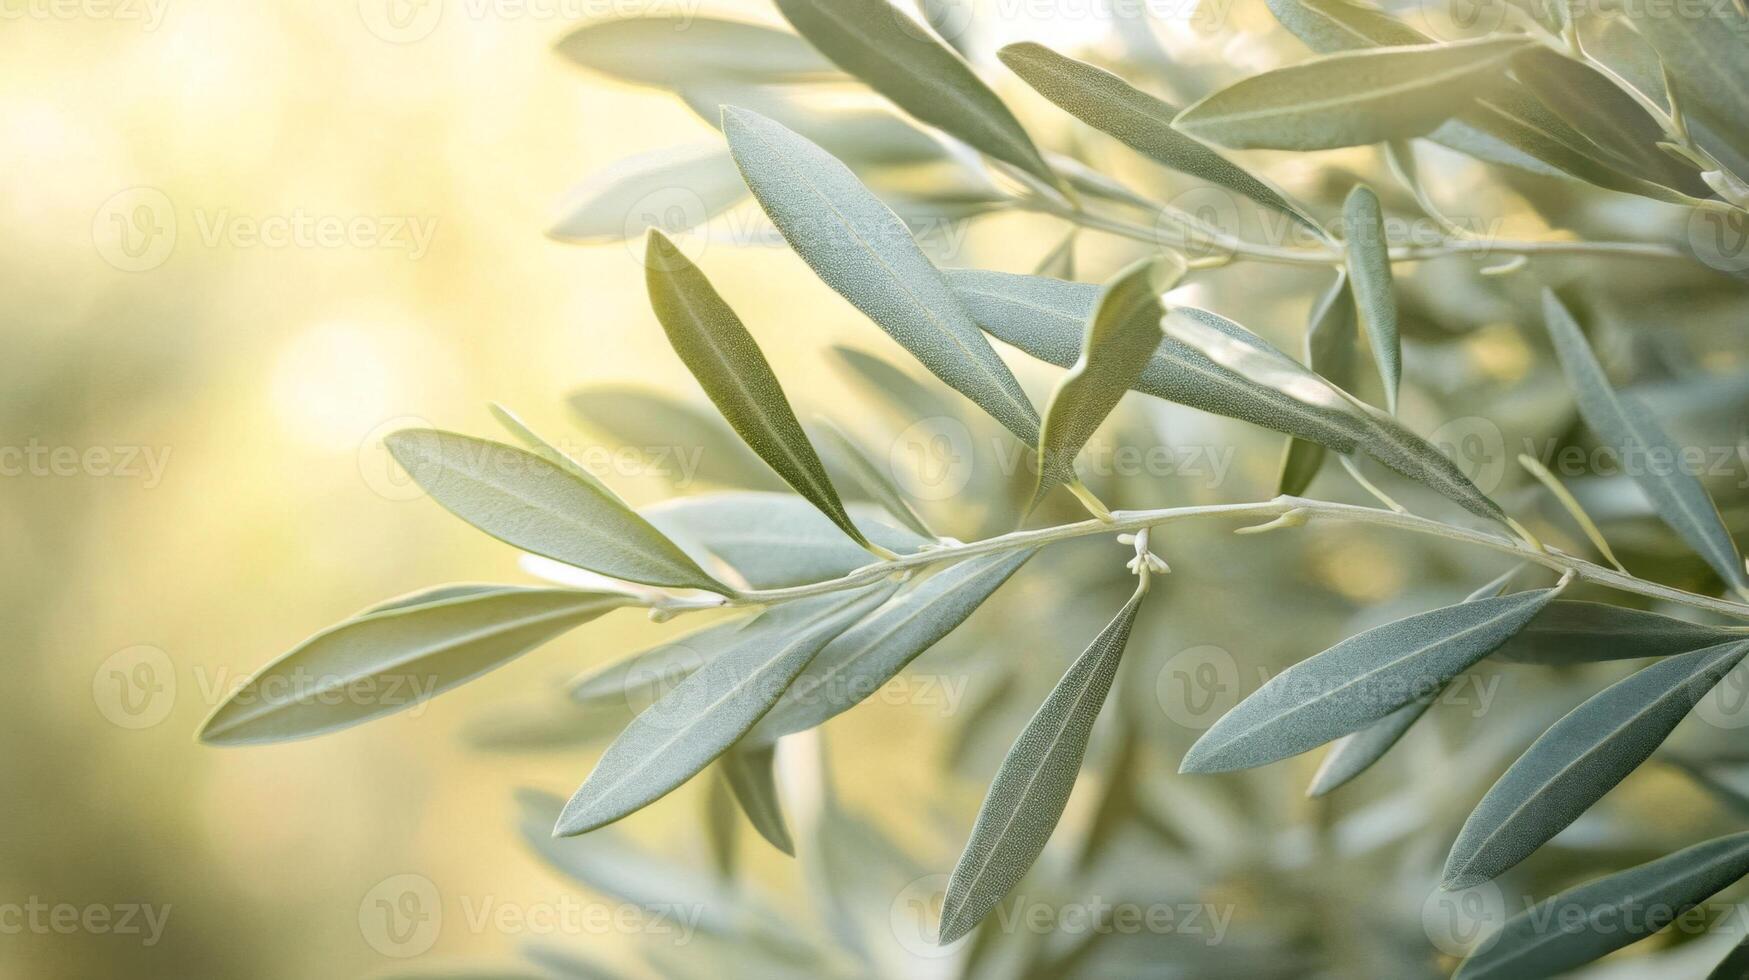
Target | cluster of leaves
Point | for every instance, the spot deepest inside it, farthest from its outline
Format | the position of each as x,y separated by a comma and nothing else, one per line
843,597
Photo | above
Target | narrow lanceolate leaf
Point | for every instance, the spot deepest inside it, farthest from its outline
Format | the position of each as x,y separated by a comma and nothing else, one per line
1580,758
908,64
1612,912
1120,339
1706,51
750,770
684,443
1735,965
1031,788
614,204
384,661
680,50
1350,99
1368,256
1574,632
1139,120
774,540
526,501
868,474
1625,425
1359,681
719,351
641,678
1047,317
1330,349
863,251
546,450
871,653
675,738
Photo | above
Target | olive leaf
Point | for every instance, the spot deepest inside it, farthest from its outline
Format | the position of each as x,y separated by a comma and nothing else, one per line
749,770
641,678
881,46
1032,786
1614,911
673,51
1629,427
395,658
1574,632
871,653
606,206
1580,758
1139,120
775,540
526,501
513,424
1330,352
876,485
1705,50
864,252
728,364
705,714
691,444
1368,256
1359,681
1351,99
1120,338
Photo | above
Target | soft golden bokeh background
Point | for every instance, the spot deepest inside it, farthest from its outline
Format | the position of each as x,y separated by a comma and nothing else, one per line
264,375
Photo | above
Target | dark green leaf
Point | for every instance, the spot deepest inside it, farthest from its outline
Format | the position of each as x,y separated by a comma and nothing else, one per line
388,660
525,501
1574,632
1580,758
862,250
1032,787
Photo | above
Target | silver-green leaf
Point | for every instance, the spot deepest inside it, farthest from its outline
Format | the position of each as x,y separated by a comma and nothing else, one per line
1330,350
1630,428
675,738
1032,787
775,540
749,770
856,245
728,364
394,658
526,501
1612,912
1368,256
1351,99
678,50
874,481
1574,632
1580,758
1120,339
1359,681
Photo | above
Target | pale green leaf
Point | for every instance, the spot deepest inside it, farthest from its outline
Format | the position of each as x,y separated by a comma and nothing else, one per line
1625,425
871,653
1350,99
675,738
1574,632
1359,681
675,189
775,540
1330,352
1032,787
525,501
1119,340
1139,120
669,438
728,364
1580,758
1614,907
874,481
1368,255
722,824
436,593
864,252
749,771
674,50
1705,48
906,63
546,450
385,661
